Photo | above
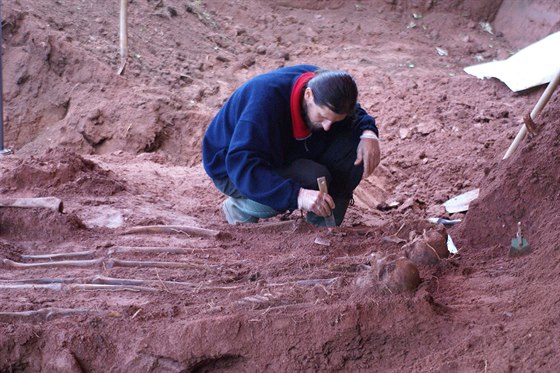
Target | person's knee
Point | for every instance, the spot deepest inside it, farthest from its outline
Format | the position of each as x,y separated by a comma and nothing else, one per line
306,172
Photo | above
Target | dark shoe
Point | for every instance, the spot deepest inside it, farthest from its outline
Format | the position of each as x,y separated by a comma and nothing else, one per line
339,212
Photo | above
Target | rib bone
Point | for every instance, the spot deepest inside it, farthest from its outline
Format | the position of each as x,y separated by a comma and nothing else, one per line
195,231
52,203
60,286
45,313
151,264
58,255
59,264
155,250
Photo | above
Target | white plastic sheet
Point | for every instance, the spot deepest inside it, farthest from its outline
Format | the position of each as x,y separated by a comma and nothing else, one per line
532,66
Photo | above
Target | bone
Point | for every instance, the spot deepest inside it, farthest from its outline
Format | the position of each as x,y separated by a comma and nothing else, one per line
60,286
77,254
117,281
59,264
125,281
44,313
110,287
317,281
45,280
156,250
50,283
195,231
54,286
275,226
151,264
52,203
129,281
306,282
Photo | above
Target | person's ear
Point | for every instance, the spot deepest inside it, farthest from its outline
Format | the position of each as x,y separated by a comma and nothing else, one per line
308,95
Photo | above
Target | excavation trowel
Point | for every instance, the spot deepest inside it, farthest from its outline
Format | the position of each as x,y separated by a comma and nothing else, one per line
519,244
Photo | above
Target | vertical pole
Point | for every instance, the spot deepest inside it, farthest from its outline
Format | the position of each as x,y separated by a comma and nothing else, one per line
534,113
3,151
123,35
1,92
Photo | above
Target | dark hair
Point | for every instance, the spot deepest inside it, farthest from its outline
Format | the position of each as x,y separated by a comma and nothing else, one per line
336,90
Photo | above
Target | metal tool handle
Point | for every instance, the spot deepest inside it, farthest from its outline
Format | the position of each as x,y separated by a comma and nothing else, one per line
323,187
322,182
519,234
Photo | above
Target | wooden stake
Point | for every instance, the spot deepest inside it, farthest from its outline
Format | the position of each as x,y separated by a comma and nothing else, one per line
536,110
123,35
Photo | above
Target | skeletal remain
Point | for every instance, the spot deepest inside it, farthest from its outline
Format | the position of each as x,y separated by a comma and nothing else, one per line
117,281
279,226
52,203
259,299
59,264
55,286
109,287
306,282
58,255
155,250
151,264
45,313
46,280
317,281
128,281
195,231
60,286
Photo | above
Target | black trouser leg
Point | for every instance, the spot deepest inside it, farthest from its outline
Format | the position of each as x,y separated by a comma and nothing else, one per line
337,165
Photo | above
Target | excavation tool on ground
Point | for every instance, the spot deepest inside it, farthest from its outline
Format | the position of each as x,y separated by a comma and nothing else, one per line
519,244
322,182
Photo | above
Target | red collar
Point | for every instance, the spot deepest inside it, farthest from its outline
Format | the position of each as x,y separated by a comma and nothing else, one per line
299,128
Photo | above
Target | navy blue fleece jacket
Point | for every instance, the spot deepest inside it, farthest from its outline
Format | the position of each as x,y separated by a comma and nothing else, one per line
251,137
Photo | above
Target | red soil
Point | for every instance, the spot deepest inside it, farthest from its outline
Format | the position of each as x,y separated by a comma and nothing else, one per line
124,151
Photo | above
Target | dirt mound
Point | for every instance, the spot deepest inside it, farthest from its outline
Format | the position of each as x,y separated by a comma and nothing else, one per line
523,189
60,173
32,224
58,78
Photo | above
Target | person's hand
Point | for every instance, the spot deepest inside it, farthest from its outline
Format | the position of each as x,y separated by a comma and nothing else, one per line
368,152
318,202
